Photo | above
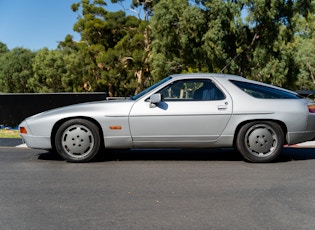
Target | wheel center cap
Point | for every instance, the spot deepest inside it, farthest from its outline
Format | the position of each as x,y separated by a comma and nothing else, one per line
261,140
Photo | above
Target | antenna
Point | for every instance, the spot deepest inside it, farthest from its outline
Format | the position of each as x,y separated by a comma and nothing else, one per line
256,36
221,71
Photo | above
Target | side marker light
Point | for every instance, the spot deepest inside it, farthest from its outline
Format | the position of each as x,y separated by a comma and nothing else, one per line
115,127
23,130
311,108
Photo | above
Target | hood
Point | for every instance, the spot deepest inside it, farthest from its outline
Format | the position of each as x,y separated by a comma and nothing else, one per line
106,108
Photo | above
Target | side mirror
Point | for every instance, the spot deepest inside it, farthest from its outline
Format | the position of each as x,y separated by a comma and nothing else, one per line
154,99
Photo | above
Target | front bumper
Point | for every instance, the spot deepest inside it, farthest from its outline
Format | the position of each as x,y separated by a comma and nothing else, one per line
32,141
37,142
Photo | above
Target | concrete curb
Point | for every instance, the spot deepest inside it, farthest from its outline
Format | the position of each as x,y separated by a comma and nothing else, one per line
307,144
21,146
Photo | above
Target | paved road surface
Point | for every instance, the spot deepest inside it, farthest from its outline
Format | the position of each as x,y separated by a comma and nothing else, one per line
10,142
195,189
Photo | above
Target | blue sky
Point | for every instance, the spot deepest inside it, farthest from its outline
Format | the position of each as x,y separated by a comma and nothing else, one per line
35,24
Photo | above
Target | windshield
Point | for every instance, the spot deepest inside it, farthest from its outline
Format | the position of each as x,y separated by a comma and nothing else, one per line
149,89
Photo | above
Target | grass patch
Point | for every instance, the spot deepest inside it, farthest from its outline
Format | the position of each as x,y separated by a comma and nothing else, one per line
4,133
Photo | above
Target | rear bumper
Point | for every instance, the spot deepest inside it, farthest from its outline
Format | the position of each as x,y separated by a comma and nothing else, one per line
299,137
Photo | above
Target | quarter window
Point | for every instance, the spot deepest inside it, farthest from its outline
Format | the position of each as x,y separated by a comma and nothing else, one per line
260,91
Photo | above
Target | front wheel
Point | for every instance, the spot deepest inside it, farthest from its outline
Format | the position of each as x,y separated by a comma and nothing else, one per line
77,140
260,141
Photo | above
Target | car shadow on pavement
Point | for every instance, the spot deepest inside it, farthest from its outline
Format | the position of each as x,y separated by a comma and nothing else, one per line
49,156
157,155
228,154
173,155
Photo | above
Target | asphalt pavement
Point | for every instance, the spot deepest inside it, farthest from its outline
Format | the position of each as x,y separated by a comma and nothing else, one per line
10,142
191,189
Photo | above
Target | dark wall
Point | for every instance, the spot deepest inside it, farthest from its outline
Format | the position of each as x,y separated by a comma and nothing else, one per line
14,108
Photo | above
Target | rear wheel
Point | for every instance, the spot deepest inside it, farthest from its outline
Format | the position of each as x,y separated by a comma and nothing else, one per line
77,140
260,141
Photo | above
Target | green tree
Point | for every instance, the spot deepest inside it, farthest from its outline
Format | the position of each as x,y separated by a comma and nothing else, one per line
141,7
113,48
262,40
177,30
56,71
96,36
273,24
15,70
141,61
224,38
126,66
305,58
305,49
3,48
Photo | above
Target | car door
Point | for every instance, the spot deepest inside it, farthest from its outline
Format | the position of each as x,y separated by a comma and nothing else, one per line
186,117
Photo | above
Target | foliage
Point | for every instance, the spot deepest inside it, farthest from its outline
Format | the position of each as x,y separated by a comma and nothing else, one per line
177,29
113,48
56,71
3,48
270,41
15,70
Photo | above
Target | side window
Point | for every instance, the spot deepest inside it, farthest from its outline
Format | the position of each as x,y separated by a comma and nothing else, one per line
260,91
175,91
192,90
208,91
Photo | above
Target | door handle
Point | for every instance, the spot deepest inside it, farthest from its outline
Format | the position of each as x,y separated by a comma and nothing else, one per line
221,107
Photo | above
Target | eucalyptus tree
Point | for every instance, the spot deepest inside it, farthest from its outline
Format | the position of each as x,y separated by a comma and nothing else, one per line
125,66
305,55
225,36
199,36
274,25
253,38
177,31
140,48
112,48
143,8
95,38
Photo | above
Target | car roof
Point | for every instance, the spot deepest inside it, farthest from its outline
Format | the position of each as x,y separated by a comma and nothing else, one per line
226,76
215,75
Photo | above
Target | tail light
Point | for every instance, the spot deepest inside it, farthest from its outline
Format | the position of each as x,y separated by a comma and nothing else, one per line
311,108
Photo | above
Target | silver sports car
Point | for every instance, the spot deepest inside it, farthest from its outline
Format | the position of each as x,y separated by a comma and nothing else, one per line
181,111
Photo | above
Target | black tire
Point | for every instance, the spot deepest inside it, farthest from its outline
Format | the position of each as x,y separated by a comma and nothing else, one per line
77,140
260,141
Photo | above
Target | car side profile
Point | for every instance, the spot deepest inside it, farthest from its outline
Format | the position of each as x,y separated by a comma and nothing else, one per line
181,111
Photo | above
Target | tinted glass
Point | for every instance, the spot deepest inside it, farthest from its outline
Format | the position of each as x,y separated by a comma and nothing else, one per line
192,90
265,92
